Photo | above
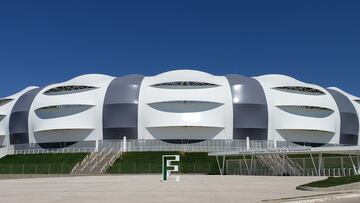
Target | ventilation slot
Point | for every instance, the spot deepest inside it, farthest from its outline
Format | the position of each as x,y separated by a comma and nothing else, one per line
60,111
306,135
309,111
5,101
184,132
70,89
184,85
300,90
184,106
59,135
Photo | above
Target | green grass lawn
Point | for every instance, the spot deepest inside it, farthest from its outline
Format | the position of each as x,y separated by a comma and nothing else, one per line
334,181
150,162
40,163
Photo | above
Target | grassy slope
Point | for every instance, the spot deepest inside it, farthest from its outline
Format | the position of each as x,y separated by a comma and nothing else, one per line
40,163
332,181
331,160
150,162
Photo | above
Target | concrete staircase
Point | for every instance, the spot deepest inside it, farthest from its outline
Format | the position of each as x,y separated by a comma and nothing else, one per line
280,165
96,162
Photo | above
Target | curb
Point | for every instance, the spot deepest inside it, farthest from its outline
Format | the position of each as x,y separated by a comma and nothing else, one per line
315,198
345,187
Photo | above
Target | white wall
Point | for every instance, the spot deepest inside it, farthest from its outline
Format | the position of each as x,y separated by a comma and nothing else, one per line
212,120
352,98
82,126
5,111
162,113
284,125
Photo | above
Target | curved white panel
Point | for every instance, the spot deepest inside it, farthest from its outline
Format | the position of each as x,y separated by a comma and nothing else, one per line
49,130
81,110
60,110
286,120
184,106
307,111
207,118
155,110
181,104
5,111
354,100
319,112
185,132
84,120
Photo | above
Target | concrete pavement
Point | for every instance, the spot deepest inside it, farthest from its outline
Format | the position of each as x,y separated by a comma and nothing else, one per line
148,188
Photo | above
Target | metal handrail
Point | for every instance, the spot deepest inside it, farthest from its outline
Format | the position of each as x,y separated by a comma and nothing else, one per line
79,164
91,160
111,161
101,160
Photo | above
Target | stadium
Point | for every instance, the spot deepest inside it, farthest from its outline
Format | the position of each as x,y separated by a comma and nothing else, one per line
181,106
264,120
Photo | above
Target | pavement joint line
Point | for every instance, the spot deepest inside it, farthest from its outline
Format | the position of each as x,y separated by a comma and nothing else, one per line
315,198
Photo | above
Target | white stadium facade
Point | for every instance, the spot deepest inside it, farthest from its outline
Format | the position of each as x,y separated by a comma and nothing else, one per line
180,106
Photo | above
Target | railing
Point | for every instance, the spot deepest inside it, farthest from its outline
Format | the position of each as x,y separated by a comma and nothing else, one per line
107,154
110,162
77,145
203,146
61,168
333,172
330,166
96,155
149,168
159,145
45,151
79,164
101,160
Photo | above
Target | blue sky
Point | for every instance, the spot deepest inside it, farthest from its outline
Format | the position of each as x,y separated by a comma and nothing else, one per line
47,41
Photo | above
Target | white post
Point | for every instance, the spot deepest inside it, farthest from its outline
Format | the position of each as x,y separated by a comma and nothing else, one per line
275,144
358,163
97,145
124,144
247,143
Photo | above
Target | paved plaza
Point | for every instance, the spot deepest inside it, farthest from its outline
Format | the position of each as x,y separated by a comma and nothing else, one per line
148,188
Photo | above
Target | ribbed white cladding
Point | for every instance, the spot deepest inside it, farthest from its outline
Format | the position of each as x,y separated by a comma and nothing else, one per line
211,123
180,104
81,126
284,125
5,111
353,100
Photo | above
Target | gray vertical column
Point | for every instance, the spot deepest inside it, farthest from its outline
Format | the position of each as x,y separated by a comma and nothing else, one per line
120,113
249,108
349,121
18,124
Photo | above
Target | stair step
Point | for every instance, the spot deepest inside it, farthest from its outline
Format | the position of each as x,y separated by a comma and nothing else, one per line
95,162
279,164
